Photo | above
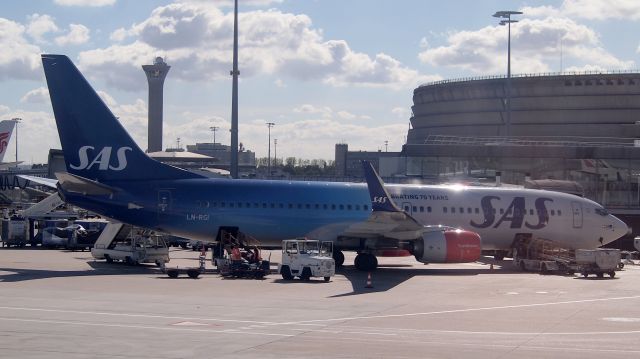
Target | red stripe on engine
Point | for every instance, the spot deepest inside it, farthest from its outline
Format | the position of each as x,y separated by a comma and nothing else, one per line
462,246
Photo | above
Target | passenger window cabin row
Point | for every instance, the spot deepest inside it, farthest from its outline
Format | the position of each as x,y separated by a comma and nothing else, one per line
280,205
351,207
469,210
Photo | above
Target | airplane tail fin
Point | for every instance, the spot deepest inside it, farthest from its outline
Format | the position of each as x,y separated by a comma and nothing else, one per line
6,129
380,199
95,144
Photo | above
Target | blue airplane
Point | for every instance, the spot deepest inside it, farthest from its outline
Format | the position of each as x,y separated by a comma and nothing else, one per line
107,173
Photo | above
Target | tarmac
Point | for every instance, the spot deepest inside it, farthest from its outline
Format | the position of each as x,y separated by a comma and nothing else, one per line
64,304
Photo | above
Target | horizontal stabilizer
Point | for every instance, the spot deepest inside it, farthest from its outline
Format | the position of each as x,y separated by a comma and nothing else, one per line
72,183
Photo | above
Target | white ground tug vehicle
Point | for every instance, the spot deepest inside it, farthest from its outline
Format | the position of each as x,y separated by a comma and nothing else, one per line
306,258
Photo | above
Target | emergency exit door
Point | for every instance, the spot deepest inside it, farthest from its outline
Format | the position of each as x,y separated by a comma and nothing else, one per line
577,214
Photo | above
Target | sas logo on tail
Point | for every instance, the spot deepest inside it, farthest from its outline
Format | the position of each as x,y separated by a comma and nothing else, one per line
381,200
102,159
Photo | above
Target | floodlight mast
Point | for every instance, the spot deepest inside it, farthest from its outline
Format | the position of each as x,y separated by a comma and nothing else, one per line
234,97
507,15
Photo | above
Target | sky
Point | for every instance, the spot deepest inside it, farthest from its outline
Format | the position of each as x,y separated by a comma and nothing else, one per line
324,71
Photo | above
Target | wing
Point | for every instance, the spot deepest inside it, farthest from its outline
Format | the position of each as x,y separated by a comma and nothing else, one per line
51,183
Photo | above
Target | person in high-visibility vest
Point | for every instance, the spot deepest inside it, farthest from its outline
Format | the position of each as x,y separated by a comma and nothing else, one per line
235,254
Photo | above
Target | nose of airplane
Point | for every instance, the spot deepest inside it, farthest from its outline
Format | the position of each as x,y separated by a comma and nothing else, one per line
617,228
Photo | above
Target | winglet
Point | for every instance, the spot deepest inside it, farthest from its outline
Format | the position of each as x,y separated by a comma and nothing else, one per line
380,199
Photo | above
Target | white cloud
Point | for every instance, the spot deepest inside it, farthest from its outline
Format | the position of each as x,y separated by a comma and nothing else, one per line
108,99
311,109
4,109
92,3
196,36
229,3
18,59
39,25
39,95
346,115
78,34
119,35
119,65
590,9
401,112
535,47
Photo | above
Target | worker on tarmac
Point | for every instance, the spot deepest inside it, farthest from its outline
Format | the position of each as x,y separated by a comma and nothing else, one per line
235,254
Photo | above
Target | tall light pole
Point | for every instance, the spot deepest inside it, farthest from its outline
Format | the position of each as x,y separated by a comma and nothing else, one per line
16,120
386,146
234,97
269,125
275,151
214,129
506,15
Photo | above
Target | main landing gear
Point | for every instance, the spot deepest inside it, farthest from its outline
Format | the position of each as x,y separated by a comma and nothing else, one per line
338,257
366,262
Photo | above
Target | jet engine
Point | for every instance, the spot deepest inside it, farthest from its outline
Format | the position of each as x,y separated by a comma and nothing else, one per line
449,246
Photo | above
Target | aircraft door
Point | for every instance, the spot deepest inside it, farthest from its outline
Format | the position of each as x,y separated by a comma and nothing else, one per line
577,214
406,206
164,203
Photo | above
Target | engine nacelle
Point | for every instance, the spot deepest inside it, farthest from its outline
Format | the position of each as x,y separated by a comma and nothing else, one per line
450,246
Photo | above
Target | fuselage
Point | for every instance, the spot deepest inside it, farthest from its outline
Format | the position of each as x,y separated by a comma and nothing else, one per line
271,211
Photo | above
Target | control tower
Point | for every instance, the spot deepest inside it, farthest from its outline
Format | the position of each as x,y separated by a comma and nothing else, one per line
155,76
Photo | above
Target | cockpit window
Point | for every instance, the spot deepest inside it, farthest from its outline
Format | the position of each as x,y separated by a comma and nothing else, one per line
601,211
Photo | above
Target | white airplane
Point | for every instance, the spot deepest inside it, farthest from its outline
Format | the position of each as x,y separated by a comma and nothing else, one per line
109,174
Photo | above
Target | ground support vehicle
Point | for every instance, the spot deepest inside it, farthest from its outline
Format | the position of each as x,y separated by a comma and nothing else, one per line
243,269
542,255
307,258
599,261
132,246
191,272
545,256
85,233
14,232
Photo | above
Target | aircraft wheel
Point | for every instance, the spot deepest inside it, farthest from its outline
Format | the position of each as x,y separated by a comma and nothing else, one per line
326,279
108,258
600,275
612,274
366,262
338,257
373,262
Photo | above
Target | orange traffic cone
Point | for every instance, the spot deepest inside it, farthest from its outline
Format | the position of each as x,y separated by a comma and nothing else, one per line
369,283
